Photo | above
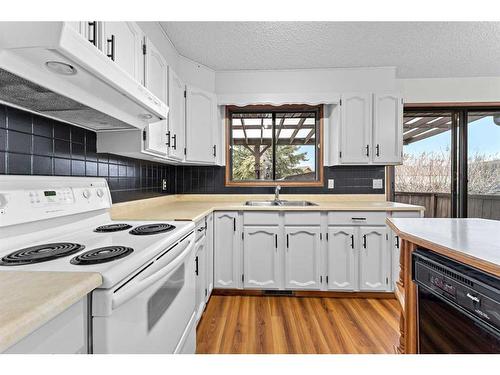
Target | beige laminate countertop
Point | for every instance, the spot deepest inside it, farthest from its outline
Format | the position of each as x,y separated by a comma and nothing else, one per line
194,207
471,241
30,299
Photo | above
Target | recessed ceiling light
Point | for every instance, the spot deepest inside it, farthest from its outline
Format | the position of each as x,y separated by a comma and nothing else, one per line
61,68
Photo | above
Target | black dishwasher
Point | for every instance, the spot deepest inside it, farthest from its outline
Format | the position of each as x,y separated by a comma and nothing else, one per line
458,306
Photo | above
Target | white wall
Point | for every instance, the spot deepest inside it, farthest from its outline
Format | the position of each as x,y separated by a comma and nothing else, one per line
305,80
436,90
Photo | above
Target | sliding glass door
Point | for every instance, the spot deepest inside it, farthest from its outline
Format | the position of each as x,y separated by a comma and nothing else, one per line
483,164
451,162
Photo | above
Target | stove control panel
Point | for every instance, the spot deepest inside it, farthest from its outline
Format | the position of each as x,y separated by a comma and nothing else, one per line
32,198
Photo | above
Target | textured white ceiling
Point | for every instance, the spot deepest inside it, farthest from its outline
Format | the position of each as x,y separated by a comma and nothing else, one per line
417,49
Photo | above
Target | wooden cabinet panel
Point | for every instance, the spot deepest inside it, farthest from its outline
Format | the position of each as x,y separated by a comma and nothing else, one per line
387,129
302,258
260,257
342,258
374,273
226,251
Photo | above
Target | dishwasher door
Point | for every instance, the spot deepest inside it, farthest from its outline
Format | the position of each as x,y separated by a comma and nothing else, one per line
447,329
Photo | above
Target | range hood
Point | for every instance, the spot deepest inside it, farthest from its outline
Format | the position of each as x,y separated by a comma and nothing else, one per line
49,68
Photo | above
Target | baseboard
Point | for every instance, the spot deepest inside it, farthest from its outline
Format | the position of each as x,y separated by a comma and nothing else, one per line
303,293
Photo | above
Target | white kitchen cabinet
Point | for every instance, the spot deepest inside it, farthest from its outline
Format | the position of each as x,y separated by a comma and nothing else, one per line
122,42
201,122
387,129
210,254
176,116
66,333
156,71
85,29
342,254
201,275
355,128
155,138
373,259
302,258
394,247
260,257
227,248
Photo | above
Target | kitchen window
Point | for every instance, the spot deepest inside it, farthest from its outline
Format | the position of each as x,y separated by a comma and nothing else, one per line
271,145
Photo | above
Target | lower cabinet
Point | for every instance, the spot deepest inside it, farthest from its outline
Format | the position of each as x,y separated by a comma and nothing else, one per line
227,246
373,259
260,258
302,258
201,275
342,258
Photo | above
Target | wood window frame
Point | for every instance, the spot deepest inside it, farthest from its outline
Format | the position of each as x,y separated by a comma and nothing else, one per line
270,108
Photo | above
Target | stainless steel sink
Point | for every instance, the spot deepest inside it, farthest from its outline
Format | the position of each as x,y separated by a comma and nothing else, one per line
280,203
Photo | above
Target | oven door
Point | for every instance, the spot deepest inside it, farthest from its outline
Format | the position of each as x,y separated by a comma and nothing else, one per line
153,311
444,328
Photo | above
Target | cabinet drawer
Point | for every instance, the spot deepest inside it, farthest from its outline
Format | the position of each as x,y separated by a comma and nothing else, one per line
302,218
261,218
356,218
406,214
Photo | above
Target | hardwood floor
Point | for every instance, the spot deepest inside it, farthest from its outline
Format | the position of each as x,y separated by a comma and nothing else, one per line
277,325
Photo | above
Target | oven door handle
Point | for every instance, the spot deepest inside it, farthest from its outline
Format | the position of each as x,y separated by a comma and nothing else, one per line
138,284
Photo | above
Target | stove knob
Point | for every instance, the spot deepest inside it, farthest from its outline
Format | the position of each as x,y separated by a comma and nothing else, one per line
100,193
86,194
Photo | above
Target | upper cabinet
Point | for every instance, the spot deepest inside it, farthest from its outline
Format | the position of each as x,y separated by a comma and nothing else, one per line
387,129
156,71
355,131
122,42
368,130
176,116
201,121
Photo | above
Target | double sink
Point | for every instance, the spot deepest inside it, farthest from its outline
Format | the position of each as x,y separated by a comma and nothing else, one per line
280,203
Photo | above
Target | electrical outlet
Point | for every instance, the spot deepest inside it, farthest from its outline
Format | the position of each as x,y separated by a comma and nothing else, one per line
331,183
378,183
164,184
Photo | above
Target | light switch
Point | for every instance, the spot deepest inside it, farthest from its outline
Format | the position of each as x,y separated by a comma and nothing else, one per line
378,183
330,183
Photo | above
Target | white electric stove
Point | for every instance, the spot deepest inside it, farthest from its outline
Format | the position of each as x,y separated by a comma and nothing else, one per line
146,303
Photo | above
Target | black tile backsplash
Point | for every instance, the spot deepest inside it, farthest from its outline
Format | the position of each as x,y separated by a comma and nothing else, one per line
210,180
31,144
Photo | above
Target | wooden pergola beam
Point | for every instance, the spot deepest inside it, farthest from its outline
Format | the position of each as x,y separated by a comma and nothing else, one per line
244,130
299,126
280,126
311,133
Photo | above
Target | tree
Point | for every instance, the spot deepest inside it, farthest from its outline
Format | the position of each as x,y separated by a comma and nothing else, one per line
256,163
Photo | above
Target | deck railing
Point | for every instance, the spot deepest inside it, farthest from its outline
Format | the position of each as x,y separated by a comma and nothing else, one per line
439,204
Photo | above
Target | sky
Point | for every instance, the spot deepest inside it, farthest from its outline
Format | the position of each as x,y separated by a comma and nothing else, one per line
484,137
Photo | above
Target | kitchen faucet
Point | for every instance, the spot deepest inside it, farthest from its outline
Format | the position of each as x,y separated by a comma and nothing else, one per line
277,193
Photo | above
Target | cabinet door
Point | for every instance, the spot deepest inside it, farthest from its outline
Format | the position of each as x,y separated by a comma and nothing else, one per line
387,129
156,72
122,42
210,254
201,276
395,251
200,125
85,29
302,257
260,257
342,258
355,128
226,250
155,138
176,116
373,258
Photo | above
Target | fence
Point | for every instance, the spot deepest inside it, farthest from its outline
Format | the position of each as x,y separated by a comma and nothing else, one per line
439,204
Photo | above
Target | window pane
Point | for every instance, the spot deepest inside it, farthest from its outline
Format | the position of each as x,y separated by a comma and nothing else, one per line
483,165
296,146
252,153
424,178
